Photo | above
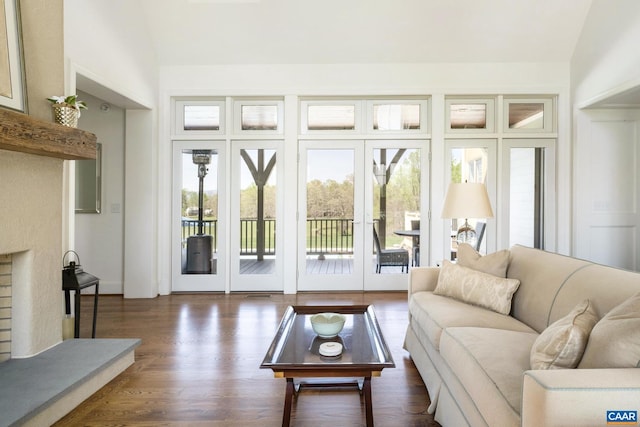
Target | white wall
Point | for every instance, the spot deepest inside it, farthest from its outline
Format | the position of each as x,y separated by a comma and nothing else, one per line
105,39
605,63
606,57
106,45
99,237
356,79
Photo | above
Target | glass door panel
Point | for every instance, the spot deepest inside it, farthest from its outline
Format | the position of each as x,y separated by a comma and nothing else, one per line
528,183
330,229
469,163
525,197
395,224
255,207
197,199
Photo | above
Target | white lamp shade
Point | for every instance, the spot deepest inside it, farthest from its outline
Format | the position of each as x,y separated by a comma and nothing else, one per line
467,200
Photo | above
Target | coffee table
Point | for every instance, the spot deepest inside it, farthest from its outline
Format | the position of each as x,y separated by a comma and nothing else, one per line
294,352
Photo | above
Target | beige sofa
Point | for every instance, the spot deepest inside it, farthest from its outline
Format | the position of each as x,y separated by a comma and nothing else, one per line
476,362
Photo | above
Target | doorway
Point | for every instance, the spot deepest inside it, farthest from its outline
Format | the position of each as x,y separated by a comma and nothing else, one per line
349,193
257,233
198,216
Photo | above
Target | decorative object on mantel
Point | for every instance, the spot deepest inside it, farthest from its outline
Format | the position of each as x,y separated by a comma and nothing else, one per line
66,110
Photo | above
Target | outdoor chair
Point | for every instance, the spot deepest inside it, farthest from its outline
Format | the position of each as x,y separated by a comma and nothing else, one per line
390,257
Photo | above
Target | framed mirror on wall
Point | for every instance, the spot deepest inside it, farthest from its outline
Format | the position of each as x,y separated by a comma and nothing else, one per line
89,183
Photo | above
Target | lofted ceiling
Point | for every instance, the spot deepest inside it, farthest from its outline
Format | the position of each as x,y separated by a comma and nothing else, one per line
214,32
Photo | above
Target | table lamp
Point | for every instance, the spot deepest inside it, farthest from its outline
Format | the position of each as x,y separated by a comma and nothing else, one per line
467,200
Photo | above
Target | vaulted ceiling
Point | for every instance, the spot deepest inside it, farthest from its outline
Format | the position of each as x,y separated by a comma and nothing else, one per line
211,32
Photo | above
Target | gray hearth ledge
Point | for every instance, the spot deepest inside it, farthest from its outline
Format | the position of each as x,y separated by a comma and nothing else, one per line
31,385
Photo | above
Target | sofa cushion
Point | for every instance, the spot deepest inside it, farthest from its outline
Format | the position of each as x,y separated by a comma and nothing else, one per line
476,287
495,263
490,364
541,274
432,313
562,344
615,339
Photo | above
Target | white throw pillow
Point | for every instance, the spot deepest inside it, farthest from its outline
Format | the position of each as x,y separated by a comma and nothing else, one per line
476,287
615,340
562,344
495,263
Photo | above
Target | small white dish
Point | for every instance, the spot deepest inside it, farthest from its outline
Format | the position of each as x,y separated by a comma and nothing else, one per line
330,349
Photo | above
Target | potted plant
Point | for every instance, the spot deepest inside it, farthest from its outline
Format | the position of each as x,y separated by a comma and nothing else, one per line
66,109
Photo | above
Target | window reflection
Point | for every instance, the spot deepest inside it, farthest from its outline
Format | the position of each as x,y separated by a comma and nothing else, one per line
468,116
201,117
259,117
396,116
331,117
526,115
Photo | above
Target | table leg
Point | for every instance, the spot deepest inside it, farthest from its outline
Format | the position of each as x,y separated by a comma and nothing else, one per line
95,312
76,304
366,389
286,416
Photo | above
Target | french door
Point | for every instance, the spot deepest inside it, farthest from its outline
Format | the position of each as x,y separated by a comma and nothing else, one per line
348,190
198,258
257,236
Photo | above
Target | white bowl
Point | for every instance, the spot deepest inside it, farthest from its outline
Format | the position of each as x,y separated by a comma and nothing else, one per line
327,325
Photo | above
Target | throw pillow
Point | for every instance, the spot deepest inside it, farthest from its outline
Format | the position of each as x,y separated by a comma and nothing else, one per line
495,263
615,340
562,344
476,287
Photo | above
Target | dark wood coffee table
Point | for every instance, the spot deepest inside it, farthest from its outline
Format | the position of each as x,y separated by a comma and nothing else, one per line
294,351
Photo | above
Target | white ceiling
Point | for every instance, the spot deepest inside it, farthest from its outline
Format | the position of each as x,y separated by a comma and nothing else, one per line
204,32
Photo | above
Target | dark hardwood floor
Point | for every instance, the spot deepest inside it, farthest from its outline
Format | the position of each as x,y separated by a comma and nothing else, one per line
198,365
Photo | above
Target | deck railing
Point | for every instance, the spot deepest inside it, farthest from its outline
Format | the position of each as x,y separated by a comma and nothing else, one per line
332,236
329,236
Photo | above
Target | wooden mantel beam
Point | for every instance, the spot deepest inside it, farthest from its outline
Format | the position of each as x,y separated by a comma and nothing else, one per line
23,133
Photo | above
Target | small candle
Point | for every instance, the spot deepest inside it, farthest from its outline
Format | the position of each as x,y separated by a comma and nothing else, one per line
68,327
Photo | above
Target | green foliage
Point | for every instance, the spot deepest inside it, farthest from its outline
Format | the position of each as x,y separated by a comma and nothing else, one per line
190,201
456,171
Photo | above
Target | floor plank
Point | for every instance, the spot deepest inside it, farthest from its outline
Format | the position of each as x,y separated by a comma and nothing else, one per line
198,365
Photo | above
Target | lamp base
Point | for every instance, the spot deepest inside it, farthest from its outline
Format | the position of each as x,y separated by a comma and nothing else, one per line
466,234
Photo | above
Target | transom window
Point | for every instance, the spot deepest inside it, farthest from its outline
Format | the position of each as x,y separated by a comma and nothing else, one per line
534,115
258,116
396,117
199,116
365,116
470,115
331,117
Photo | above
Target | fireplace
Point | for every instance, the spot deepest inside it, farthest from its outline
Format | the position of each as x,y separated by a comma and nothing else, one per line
32,217
5,307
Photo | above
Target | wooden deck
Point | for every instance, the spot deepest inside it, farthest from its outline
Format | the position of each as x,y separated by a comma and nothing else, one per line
314,266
